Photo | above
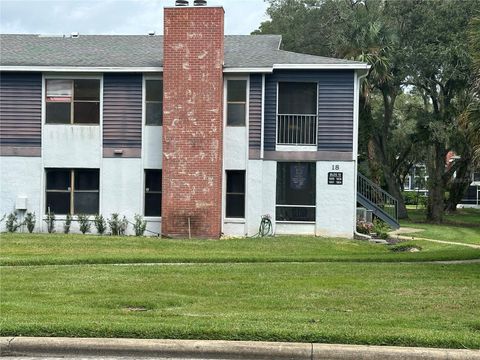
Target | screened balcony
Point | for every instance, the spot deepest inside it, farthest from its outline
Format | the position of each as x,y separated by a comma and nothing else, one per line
297,114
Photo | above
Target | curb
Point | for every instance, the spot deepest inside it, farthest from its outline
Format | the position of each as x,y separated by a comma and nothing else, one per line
217,349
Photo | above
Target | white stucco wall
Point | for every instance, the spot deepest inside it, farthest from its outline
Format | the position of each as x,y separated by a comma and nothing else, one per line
254,196
121,188
71,146
294,229
20,176
152,147
235,148
336,204
269,190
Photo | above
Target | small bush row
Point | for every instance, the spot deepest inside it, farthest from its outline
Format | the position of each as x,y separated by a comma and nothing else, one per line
414,198
378,228
118,225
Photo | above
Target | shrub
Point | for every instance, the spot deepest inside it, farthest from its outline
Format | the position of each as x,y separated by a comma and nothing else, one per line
364,227
67,223
100,224
51,222
12,223
139,225
414,198
381,229
30,221
84,223
118,226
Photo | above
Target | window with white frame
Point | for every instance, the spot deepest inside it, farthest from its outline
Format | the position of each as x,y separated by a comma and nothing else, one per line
296,191
297,113
72,191
236,102
74,101
235,194
153,192
153,102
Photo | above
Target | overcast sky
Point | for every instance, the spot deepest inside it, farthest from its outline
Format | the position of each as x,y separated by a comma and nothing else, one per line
114,16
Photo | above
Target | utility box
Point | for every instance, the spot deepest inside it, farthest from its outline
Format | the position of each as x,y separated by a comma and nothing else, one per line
21,203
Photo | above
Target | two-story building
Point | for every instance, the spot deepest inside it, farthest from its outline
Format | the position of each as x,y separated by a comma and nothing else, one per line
194,130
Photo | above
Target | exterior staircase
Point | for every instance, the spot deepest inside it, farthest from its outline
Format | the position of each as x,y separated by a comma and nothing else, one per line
382,204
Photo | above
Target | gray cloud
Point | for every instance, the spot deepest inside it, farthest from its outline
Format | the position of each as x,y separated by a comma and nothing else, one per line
113,16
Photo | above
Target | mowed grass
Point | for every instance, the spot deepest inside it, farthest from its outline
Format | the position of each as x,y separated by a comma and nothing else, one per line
358,303
461,226
44,249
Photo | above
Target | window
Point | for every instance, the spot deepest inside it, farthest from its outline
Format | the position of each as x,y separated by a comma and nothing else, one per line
153,193
72,191
236,102
297,98
154,102
295,191
235,202
476,176
72,101
297,113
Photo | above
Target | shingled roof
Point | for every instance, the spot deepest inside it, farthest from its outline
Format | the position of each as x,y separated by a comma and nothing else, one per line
143,51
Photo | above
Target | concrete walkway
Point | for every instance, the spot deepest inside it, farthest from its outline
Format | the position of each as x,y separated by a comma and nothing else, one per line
217,349
403,233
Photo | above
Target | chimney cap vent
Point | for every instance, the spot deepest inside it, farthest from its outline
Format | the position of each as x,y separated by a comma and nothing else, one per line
199,2
74,35
181,2
151,33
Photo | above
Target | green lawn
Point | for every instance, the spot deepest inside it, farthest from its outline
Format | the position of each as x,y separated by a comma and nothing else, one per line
272,289
463,226
24,249
394,304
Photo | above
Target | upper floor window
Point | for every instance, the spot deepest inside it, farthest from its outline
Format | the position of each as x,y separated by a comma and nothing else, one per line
72,101
236,102
153,102
297,113
72,191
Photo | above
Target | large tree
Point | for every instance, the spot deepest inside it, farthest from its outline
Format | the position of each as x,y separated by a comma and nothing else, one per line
439,67
359,30
413,46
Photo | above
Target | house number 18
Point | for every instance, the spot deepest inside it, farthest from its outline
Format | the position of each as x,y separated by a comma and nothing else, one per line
335,167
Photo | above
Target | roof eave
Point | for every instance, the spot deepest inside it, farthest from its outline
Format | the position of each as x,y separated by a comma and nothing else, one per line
82,69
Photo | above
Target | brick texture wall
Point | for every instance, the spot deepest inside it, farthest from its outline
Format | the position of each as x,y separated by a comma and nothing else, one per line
193,121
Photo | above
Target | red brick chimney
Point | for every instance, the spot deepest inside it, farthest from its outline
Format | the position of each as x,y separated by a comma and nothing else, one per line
192,121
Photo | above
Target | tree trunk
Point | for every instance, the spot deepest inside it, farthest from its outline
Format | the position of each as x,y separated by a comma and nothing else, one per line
393,187
435,184
459,185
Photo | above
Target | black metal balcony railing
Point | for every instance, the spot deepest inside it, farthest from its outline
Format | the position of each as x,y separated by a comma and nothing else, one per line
295,129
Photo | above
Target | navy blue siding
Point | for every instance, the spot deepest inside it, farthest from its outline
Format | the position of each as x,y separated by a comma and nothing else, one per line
255,112
21,110
335,107
122,111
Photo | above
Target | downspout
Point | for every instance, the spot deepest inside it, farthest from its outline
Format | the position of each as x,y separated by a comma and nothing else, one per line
358,79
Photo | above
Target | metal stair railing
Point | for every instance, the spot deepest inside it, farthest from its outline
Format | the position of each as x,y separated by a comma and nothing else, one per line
378,197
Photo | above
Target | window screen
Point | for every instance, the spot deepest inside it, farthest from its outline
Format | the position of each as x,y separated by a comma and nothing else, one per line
72,101
154,102
235,201
72,191
297,98
236,102
153,193
296,185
